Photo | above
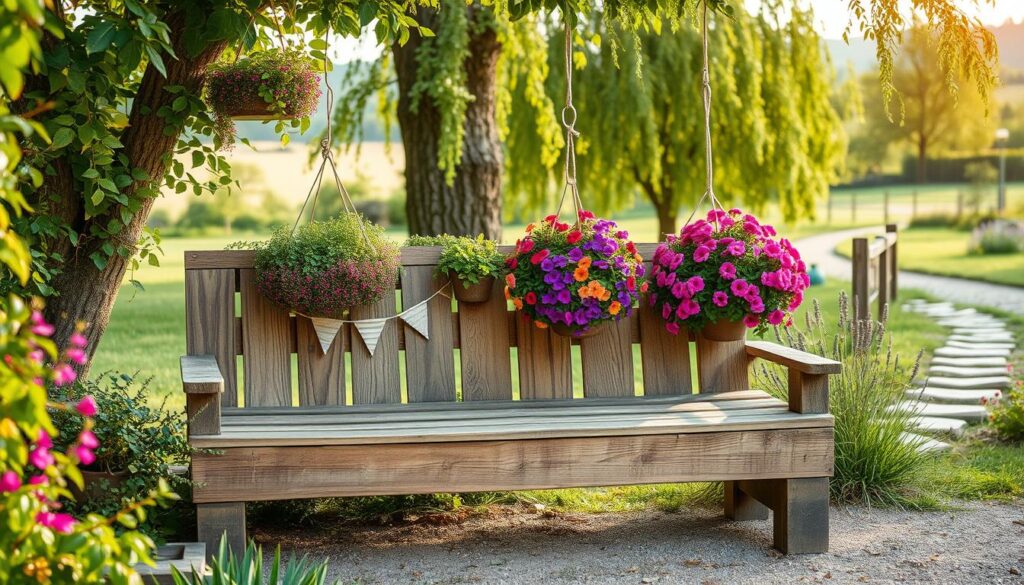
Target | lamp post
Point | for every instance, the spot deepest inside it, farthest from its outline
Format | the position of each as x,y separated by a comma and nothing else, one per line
1002,136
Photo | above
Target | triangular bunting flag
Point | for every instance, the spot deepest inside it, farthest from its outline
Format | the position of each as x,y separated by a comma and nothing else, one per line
370,330
326,330
416,317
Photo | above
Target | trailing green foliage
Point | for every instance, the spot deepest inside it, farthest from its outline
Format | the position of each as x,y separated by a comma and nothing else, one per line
246,568
471,259
874,461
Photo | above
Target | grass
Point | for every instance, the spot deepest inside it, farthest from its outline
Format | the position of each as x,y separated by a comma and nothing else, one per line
943,251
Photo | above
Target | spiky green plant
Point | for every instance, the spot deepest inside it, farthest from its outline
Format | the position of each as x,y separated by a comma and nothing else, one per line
227,569
875,459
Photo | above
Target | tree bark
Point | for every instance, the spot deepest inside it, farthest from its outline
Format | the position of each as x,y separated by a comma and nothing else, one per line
471,205
668,217
86,294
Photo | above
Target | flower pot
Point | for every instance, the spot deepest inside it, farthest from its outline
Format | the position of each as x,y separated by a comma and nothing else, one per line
257,109
96,484
472,293
724,331
574,331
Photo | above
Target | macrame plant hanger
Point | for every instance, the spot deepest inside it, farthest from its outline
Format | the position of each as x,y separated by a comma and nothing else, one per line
709,189
569,123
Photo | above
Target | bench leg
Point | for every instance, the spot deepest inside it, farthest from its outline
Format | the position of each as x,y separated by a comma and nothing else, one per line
219,520
741,506
799,511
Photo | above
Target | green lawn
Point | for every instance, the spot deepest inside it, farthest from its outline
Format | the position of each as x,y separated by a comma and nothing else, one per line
944,251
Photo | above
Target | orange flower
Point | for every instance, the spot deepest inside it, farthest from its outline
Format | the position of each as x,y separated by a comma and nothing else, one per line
584,292
510,280
584,262
529,228
605,295
581,274
614,308
508,295
540,325
639,258
596,289
517,302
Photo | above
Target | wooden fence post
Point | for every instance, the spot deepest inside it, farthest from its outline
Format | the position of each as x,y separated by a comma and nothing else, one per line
860,279
894,267
853,207
885,207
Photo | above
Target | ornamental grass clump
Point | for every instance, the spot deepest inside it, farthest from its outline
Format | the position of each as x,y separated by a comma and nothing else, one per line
876,459
727,268
282,85
325,268
574,277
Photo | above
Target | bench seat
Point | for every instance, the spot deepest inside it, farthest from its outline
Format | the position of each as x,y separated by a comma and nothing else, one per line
506,420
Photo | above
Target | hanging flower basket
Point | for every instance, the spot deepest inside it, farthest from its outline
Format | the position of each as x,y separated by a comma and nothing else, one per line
270,85
574,279
725,274
325,268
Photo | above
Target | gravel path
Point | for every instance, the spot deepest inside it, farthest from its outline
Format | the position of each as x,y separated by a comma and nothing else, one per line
820,250
981,543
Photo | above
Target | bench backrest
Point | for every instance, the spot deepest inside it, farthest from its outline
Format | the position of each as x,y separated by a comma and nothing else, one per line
270,358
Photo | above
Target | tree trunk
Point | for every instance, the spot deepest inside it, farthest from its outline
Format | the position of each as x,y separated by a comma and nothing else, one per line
922,160
472,203
86,294
668,217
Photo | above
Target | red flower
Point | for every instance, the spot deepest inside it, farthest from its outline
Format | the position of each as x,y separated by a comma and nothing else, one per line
512,262
574,236
585,215
631,283
526,246
631,247
551,218
530,298
539,256
561,226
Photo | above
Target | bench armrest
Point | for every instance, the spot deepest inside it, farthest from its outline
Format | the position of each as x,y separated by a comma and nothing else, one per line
203,385
794,359
808,374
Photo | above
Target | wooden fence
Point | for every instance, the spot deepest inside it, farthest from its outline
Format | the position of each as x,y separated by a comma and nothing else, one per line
874,272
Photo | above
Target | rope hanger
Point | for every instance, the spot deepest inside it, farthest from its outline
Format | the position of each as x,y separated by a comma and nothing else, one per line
569,123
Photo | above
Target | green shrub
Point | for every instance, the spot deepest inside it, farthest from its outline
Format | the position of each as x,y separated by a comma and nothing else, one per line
933,220
247,568
138,436
874,463
997,237
1007,416
471,259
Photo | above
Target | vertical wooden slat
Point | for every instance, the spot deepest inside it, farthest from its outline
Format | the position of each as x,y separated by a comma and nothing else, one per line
375,379
665,357
545,363
859,278
429,363
210,322
321,376
721,365
894,267
608,361
883,282
265,347
484,336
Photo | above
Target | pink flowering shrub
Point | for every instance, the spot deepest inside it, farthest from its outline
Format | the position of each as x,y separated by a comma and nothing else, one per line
39,541
1007,412
284,84
326,267
574,277
728,267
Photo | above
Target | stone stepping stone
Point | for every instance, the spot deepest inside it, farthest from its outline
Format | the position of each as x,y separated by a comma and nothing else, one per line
925,444
934,424
967,412
971,322
970,362
952,395
979,345
981,382
984,338
965,353
981,331
959,372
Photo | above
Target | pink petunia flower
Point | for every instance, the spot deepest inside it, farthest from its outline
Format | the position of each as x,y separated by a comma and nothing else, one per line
84,454
701,253
87,406
727,271
720,299
672,328
751,321
63,523
776,317
9,482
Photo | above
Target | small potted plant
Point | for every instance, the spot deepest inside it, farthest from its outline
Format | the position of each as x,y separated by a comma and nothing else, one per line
725,274
472,265
269,85
574,278
324,268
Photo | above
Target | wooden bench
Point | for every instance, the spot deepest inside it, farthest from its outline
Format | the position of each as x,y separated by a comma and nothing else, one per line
286,421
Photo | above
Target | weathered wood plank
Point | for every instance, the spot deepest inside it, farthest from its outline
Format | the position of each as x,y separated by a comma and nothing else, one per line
545,363
200,374
721,365
795,359
209,322
741,506
808,392
429,363
375,379
221,520
269,473
484,334
265,347
321,375
800,505
608,361
514,429
665,357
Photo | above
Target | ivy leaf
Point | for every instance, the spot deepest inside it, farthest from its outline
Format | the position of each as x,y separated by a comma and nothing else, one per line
156,60
367,11
197,158
100,37
62,138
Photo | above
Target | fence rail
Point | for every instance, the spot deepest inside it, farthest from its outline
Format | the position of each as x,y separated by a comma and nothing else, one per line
875,272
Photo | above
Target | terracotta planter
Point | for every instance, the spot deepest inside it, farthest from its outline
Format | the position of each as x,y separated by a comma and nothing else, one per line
473,293
724,331
97,483
567,331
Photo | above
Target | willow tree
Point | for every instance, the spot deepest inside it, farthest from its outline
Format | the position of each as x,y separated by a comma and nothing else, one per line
775,134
